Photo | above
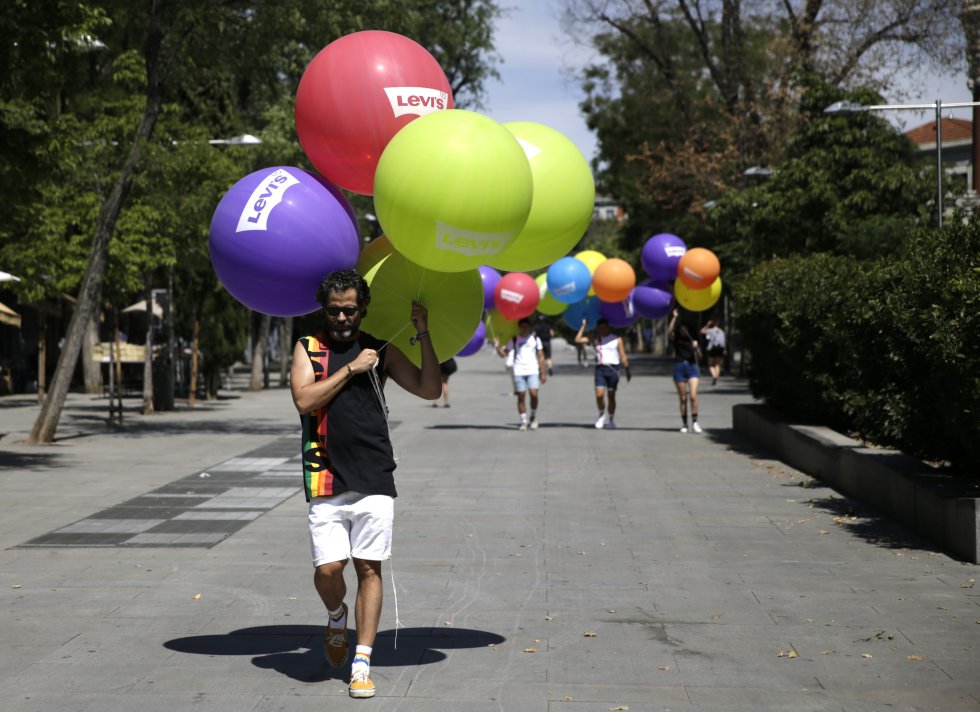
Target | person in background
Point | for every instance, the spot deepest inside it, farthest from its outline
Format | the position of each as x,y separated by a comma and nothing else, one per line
544,332
687,375
715,348
529,370
610,354
446,368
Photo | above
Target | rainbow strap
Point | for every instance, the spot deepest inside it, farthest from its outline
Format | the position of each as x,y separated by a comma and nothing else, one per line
318,476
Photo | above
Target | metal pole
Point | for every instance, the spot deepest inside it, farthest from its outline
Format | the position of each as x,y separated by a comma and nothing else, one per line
939,163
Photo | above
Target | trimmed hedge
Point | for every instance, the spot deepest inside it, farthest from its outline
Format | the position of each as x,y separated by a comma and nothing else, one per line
886,350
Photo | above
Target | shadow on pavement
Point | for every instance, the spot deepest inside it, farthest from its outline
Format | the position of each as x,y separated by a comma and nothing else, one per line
297,650
23,460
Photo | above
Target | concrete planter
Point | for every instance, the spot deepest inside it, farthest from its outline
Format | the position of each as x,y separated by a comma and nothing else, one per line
943,509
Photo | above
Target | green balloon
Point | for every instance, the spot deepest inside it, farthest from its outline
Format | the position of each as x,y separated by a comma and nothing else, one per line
564,199
454,302
452,190
372,255
548,305
500,327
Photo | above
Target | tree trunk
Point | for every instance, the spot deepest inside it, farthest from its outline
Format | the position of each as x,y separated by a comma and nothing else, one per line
285,342
259,347
42,360
91,369
148,358
47,420
192,382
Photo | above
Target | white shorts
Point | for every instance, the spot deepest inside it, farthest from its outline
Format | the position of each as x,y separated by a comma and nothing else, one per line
351,524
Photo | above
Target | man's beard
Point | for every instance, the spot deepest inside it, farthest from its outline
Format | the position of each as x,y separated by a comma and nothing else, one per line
346,331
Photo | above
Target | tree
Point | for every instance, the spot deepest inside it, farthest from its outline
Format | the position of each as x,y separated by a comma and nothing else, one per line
223,64
692,92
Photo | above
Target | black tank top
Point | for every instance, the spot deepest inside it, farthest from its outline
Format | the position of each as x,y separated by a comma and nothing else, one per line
358,450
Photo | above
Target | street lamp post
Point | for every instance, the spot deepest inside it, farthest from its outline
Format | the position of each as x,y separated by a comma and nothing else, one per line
849,107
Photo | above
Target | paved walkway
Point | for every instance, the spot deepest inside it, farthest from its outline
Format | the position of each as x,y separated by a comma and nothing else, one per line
166,566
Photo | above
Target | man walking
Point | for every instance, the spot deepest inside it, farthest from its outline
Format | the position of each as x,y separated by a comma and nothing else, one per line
337,381
529,370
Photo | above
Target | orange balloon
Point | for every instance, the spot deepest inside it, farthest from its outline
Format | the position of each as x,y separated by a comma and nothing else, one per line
613,280
698,268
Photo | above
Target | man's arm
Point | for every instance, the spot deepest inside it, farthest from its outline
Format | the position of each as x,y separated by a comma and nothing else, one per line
623,358
542,366
310,394
425,382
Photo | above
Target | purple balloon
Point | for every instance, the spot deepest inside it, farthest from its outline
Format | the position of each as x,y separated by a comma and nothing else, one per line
653,299
620,314
490,277
276,233
660,256
476,341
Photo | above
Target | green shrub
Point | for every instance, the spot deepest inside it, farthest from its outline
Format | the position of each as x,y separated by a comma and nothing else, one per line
884,349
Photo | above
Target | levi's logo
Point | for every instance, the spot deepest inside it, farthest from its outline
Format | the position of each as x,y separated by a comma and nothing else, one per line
510,296
530,150
469,242
674,250
266,196
564,289
416,100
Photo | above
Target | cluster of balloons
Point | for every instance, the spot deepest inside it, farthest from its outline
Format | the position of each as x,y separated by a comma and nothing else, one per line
589,286
690,275
454,192
458,197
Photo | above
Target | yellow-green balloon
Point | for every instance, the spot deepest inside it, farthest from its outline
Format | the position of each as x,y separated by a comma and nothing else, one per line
697,300
372,255
548,305
454,302
592,259
564,198
501,328
452,190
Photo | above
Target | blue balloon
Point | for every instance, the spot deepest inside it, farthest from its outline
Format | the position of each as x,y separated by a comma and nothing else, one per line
585,309
569,280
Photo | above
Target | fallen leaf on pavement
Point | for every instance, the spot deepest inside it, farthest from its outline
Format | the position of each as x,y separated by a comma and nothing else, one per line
530,650
197,597
969,583
663,667
867,655
914,657
621,707
590,634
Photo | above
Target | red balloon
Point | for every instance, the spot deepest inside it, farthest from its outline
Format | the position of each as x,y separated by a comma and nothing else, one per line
516,295
356,94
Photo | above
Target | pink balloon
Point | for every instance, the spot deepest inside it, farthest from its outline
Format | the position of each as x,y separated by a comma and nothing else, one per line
516,295
356,94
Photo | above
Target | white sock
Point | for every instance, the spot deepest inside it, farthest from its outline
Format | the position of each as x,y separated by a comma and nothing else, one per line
362,660
524,417
338,618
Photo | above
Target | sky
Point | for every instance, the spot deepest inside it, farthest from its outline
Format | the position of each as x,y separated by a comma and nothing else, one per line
536,83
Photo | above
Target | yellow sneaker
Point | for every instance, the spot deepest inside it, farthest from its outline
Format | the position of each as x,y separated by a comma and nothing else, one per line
361,685
335,643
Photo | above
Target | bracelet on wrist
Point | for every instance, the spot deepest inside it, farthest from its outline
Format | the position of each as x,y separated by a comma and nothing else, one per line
350,371
417,337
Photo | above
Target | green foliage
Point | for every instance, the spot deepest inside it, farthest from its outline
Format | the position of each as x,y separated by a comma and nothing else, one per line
850,185
882,348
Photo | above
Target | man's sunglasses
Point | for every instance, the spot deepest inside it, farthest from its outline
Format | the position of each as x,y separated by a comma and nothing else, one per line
347,311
